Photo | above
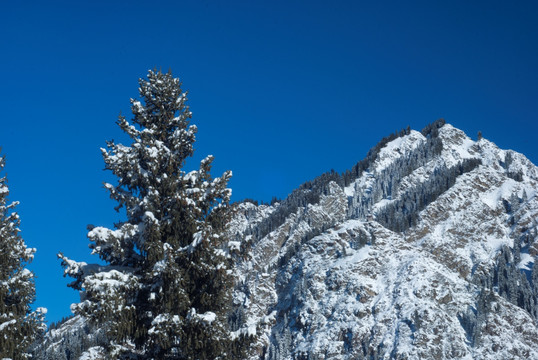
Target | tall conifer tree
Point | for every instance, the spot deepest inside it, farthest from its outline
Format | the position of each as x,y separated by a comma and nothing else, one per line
166,287
19,325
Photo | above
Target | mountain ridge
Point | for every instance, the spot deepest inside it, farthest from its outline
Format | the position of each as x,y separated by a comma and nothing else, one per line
453,207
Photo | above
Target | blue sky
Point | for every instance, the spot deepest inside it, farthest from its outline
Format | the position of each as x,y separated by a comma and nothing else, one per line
281,92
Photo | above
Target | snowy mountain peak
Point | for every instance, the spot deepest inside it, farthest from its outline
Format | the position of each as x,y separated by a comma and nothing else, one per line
424,250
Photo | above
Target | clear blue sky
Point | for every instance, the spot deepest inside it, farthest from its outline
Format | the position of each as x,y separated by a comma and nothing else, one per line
281,91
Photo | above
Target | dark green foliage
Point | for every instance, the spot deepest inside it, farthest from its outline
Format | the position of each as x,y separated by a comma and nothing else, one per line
432,130
166,289
19,325
511,173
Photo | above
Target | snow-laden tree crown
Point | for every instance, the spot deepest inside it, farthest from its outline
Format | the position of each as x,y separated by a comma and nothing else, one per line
19,324
165,288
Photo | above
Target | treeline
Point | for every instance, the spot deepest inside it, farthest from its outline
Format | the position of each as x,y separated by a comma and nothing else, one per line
386,184
402,213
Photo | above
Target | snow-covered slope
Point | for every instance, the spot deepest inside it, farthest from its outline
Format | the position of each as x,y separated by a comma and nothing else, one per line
427,253
73,339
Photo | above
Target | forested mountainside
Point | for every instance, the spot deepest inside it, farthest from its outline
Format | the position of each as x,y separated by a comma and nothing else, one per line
423,250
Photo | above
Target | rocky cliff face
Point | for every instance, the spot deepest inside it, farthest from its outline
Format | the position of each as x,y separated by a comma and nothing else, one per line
424,251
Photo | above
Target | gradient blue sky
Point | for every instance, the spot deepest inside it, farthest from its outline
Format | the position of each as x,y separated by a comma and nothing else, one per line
281,91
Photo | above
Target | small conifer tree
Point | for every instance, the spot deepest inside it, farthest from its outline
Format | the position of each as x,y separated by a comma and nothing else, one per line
165,290
19,325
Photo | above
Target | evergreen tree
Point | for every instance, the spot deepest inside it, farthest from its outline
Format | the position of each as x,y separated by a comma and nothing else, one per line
165,291
19,325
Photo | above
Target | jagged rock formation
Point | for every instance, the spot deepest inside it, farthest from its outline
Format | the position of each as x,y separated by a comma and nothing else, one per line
424,251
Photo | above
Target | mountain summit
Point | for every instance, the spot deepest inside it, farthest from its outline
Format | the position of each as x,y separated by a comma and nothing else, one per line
424,250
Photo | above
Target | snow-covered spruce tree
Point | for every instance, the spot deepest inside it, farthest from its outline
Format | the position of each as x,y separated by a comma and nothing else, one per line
165,291
19,325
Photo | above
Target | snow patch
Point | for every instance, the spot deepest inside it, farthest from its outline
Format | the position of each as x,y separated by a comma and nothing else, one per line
7,323
493,197
93,353
234,245
526,261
